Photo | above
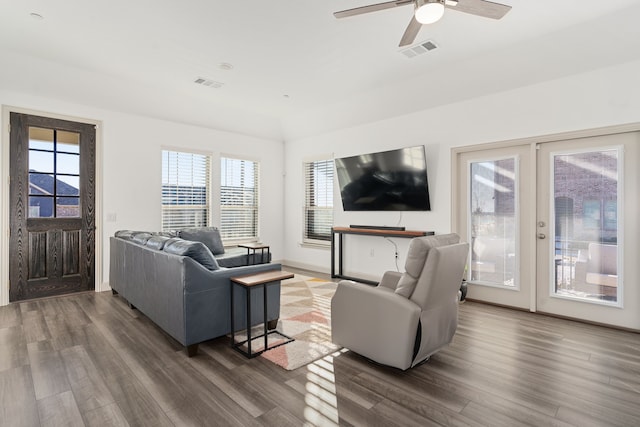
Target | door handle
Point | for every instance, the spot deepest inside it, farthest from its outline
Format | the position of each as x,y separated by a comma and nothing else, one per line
542,236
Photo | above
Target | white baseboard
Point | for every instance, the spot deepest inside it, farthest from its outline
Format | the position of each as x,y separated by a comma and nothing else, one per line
103,287
304,266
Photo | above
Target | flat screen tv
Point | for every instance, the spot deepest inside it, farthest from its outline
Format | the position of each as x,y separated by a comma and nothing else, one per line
394,180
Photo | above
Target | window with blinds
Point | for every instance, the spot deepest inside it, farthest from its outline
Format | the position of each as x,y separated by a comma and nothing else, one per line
185,190
239,199
318,206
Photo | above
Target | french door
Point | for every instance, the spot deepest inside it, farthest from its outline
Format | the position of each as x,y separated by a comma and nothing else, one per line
552,226
587,245
494,206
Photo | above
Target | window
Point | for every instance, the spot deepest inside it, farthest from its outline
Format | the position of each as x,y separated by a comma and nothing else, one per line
185,190
239,199
318,200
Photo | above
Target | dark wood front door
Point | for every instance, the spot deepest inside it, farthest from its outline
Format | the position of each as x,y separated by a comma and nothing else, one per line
52,196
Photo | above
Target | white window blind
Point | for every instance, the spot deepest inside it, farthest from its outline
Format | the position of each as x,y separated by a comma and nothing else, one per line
239,199
318,208
185,190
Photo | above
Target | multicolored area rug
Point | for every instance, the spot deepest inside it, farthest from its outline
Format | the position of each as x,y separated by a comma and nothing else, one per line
305,315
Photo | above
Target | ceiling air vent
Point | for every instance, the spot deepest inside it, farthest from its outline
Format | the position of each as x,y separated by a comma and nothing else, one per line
208,82
419,49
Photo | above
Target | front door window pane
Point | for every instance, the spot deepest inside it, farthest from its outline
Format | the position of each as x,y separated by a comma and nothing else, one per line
68,164
40,207
493,222
67,207
585,189
68,142
68,185
41,161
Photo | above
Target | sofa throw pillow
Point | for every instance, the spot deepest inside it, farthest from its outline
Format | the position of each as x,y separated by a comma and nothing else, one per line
194,250
210,236
157,242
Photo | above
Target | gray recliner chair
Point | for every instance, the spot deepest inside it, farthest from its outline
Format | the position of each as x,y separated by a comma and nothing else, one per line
409,316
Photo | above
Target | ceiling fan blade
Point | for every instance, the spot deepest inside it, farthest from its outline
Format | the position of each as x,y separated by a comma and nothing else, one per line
411,32
371,8
483,8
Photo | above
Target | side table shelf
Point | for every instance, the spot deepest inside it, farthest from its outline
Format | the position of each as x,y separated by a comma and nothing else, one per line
254,247
254,281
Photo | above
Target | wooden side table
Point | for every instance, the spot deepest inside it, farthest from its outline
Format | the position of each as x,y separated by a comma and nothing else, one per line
248,282
254,247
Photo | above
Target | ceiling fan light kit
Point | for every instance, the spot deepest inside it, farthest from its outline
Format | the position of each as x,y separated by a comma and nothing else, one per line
429,11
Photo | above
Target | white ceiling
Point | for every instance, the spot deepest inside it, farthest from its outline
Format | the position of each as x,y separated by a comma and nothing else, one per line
143,56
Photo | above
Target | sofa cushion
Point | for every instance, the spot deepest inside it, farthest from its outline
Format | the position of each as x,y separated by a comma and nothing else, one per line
157,242
166,233
194,250
141,237
125,234
210,236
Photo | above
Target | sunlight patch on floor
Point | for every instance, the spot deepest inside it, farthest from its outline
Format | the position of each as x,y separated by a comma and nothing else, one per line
321,400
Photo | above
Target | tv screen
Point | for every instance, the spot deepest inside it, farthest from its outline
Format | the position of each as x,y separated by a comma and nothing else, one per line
393,180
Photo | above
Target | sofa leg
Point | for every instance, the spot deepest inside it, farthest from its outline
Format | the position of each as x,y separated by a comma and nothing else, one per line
272,324
114,292
192,350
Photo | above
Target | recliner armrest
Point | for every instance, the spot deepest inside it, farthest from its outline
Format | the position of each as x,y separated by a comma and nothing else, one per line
390,280
376,322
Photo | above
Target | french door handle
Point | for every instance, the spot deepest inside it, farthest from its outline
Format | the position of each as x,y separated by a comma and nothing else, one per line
542,236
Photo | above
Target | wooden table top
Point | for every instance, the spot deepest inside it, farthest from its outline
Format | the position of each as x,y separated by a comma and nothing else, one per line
260,278
253,245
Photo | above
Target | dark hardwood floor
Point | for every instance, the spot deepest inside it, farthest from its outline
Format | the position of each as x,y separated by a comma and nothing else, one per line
87,359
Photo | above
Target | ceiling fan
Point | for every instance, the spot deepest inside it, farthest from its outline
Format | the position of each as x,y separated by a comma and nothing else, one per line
430,11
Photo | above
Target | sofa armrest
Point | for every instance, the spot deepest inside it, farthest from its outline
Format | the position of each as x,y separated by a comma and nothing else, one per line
375,321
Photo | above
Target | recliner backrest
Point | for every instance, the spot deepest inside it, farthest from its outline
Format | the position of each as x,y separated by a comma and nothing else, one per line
417,257
441,276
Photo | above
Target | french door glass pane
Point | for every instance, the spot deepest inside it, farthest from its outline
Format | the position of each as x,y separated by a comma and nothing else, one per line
493,222
585,207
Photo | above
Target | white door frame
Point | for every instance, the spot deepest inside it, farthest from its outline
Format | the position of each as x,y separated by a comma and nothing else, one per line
4,195
532,142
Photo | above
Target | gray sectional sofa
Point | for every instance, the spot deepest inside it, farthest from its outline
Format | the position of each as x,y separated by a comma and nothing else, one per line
182,288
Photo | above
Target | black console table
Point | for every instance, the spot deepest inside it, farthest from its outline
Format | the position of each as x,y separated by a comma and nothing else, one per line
341,231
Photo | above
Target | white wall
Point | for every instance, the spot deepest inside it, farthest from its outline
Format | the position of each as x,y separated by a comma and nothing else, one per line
131,169
131,158
604,97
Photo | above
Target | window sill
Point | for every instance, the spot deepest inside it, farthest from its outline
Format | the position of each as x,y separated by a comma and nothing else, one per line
314,245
